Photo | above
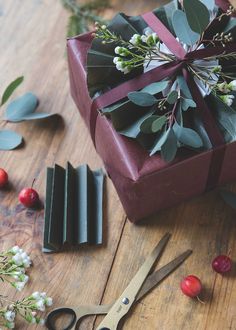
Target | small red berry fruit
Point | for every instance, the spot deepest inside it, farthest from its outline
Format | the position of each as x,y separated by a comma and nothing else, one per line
3,178
191,286
222,264
29,197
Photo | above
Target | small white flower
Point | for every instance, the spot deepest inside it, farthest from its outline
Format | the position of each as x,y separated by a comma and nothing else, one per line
136,39
148,31
17,260
19,286
48,301
10,316
43,295
24,278
27,262
223,87
117,50
40,305
15,249
227,99
103,27
144,38
116,60
232,85
36,295
122,51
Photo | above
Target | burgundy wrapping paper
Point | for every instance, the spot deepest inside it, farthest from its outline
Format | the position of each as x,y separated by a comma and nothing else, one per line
144,184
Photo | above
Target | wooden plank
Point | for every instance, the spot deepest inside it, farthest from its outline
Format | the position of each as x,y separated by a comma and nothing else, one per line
205,225
33,39
33,43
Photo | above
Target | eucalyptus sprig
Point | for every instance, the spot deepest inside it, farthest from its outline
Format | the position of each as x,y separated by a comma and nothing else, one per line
83,15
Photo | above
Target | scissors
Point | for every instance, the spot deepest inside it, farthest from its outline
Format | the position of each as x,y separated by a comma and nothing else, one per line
140,285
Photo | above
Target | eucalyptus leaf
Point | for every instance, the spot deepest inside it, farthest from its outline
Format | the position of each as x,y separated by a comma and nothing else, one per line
153,124
159,142
183,30
210,4
10,89
152,89
156,88
172,97
142,99
158,124
9,140
229,198
115,106
231,25
200,129
226,117
187,103
187,136
146,126
21,107
198,15
170,147
185,91
133,130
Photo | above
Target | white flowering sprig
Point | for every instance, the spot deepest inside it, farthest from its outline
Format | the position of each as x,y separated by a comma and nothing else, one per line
13,266
136,51
29,309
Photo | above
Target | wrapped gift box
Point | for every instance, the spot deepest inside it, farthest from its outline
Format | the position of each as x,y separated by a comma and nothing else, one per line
146,184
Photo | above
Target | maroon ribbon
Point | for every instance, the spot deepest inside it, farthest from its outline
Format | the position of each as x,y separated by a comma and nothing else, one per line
167,70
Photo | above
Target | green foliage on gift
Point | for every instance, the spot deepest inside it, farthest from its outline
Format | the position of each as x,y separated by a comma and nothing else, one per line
164,116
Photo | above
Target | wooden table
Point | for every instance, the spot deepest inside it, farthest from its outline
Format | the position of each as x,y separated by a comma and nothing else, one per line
32,43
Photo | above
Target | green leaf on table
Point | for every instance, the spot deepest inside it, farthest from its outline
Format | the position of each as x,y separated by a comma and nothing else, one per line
187,136
23,108
198,15
229,198
172,97
142,99
187,103
9,140
169,147
11,88
183,30
153,124
133,130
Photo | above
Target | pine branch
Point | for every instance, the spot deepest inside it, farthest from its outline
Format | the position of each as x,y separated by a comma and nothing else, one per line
83,15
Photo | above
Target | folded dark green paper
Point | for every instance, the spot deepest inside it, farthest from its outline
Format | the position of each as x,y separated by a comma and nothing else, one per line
73,208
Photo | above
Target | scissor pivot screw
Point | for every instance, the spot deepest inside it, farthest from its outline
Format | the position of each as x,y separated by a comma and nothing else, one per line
125,301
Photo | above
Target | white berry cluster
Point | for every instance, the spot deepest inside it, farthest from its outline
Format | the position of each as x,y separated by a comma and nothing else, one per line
126,60
13,265
28,308
227,88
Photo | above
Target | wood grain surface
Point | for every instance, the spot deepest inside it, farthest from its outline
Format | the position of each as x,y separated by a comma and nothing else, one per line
32,43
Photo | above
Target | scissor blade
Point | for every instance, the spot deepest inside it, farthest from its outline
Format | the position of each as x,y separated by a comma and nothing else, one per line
126,300
155,278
